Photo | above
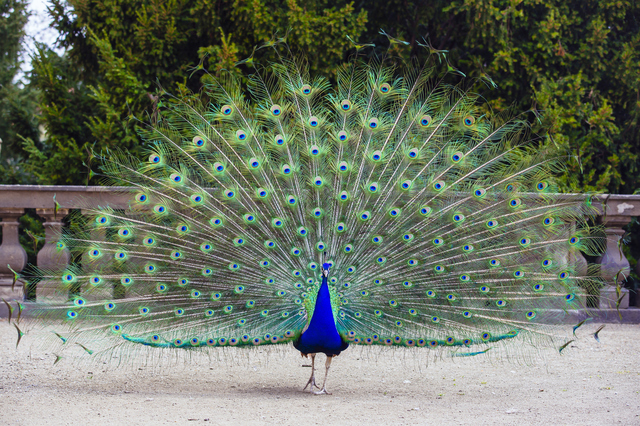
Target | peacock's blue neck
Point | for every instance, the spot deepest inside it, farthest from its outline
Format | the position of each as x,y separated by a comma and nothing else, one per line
322,334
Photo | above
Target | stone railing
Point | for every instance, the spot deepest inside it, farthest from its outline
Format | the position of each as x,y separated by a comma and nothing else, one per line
616,212
14,199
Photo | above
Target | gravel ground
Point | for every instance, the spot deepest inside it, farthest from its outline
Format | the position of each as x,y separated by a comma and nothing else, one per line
591,383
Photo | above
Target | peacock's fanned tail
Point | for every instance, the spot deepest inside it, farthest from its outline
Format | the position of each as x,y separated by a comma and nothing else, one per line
441,223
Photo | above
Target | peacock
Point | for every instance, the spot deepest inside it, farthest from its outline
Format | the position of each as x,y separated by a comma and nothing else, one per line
386,206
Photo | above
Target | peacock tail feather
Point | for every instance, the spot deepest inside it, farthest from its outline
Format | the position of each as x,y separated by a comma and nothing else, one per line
441,223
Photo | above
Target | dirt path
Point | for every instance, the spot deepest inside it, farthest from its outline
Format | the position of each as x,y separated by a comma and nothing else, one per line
594,383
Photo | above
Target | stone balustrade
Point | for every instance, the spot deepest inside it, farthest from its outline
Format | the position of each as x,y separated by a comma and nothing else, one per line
53,203
616,212
14,199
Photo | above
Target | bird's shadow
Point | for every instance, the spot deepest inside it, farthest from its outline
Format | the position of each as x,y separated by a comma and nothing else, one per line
279,391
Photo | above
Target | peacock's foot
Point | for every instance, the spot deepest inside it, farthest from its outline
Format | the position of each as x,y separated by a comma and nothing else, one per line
324,391
312,382
326,373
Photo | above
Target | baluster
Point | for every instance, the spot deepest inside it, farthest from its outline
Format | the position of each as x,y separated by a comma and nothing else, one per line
637,289
573,259
135,244
612,262
577,263
50,256
11,255
637,305
98,236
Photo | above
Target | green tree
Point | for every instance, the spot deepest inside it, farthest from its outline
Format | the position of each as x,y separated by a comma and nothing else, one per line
123,53
65,107
17,103
577,62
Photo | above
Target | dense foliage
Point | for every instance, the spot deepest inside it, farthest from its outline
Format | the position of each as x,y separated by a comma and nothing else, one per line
576,62
17,103
122,54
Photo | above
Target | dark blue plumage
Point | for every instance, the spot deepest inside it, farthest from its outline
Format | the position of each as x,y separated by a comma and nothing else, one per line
322,334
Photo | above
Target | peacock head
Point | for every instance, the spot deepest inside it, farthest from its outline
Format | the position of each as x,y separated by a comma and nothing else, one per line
325,269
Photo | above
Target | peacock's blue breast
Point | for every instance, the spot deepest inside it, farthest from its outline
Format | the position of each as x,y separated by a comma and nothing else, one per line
322,334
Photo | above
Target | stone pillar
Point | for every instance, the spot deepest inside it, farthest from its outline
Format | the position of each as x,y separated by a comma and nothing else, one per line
50,256
12,255
579,265
638,288
90,266
613,262
577,262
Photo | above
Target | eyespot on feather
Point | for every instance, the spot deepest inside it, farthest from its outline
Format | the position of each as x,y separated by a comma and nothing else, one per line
469,121
276,110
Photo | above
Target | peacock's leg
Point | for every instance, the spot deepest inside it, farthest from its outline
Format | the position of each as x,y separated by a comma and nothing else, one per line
326,373
312,379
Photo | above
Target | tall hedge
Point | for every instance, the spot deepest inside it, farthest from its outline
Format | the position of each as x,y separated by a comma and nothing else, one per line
575,62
